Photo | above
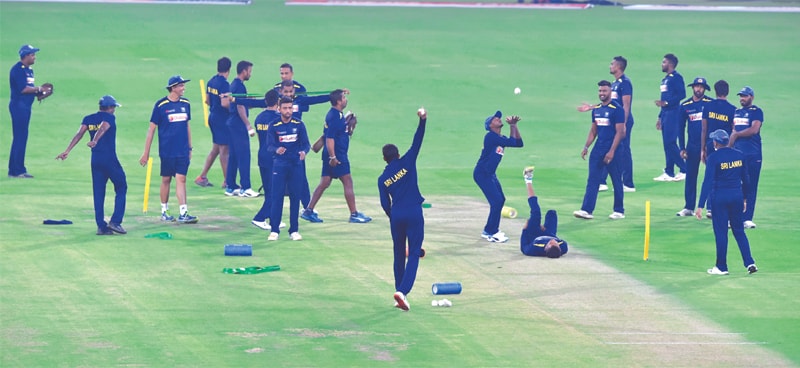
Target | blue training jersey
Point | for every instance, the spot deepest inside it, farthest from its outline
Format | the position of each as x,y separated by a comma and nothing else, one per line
725,169
672,90
291,135
302,102
262,124
622,86
718,114
607,117
106,147
493,150
336,128
692,113
536,247
742,119
172,120
216,86
397,186
19,77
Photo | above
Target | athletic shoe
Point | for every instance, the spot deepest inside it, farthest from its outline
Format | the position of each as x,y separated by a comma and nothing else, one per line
117,228
685,213
248,193
231,192
602,188
499,237
263,225
679,176
628,189
749,225
105,231
486,235
402,302
708,214
166,217
272,236
203,182
527,174
751,269
616,216
717,271
360,218
583,215
295,236
664,177
186,218
310,215
22,176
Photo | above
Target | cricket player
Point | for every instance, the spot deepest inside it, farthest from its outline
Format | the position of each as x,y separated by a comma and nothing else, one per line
608,127
23,92
265,159
171,116
746,137
669,121
217,98
717,114
692,113
402,202
537,239
287,74
727,184
288,142
335,162
240,133
102,128
485,172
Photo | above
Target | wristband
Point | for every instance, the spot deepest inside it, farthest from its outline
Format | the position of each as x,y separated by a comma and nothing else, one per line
332,158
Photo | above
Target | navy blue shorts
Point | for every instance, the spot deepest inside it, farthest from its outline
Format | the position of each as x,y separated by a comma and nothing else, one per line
342,169
220,134
170,166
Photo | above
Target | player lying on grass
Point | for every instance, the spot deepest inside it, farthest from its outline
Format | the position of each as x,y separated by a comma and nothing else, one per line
539,240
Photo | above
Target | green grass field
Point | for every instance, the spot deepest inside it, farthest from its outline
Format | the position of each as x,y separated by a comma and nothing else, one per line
70,298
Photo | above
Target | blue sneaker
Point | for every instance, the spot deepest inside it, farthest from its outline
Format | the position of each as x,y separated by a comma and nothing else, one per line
186,218
311,216
360,218
166,217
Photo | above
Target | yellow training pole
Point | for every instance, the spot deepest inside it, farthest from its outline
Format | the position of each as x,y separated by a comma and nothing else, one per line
646,228
203,98
147,183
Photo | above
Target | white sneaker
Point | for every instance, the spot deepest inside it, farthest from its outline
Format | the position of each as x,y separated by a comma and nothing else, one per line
249,193
708,214
664,177
499,237
263,225
749,225
282,225
616,216
679,176
685,213
602,188
583,214
272,236
401,301
716,271
295,236
628,189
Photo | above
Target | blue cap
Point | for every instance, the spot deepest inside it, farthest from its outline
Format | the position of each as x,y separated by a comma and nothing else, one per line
27,49
720,136
746,91
108,101
488,121
175,80
701,81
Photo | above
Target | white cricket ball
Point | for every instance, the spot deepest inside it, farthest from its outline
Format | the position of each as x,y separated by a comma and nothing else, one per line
517,91
252,132
421,111
445,303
